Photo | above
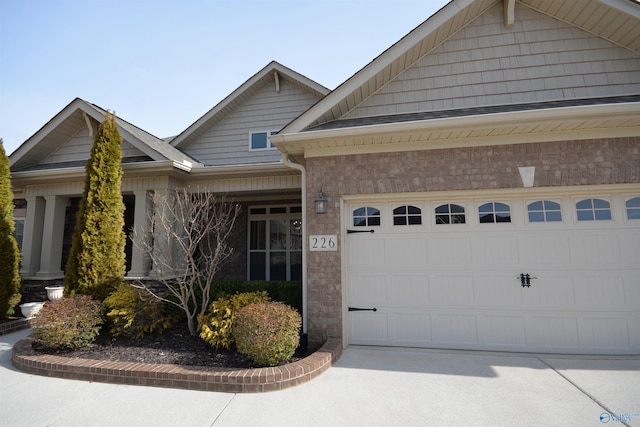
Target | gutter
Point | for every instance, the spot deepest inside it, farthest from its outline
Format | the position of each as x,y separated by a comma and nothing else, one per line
287,162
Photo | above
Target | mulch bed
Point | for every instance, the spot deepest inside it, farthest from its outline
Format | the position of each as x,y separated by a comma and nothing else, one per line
173,346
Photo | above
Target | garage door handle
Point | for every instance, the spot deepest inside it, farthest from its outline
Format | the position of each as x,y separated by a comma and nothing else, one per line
362,309
360,231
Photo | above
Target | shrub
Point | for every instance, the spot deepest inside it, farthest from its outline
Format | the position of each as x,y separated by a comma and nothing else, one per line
289,293
69,323
134,312
96,263
216,325
268,333
10,281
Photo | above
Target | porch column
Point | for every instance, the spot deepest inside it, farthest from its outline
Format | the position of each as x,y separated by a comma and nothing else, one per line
52,235
140,263
32,239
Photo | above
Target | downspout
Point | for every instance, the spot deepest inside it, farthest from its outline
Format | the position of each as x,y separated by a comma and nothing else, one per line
303,172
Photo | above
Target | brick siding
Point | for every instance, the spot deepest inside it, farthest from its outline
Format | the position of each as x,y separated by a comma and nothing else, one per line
566,163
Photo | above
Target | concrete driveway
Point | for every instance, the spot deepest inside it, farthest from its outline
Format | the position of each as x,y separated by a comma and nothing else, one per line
368,386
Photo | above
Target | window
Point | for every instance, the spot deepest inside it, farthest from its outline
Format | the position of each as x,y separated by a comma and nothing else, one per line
633,208
259,140
275,243
366,217
407,215
450,214
593,210
494,212
19,231
544,211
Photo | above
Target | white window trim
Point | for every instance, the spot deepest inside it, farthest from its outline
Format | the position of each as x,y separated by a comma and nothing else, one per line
607,199
288,215
625,199
269,145
527,202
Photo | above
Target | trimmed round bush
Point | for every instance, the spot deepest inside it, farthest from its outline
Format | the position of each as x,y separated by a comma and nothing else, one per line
70,323
217,323
269,333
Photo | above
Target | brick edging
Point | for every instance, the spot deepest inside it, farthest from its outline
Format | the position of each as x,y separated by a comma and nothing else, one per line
175,376
14,325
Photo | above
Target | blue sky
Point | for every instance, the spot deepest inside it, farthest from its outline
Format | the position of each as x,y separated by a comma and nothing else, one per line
162,64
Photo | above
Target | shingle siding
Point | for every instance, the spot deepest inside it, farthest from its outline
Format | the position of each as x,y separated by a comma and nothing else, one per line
79,146
227,142
538,59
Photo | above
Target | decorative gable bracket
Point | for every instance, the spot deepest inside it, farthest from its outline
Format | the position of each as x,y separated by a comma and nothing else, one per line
509,14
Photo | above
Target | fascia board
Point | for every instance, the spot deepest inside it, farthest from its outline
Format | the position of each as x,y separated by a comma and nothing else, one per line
47,128
483,120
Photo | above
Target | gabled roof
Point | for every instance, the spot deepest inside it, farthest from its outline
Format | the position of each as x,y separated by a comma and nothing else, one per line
615,20
273,71
72,119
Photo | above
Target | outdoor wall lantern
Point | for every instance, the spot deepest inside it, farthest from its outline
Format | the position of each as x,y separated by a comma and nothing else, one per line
321,203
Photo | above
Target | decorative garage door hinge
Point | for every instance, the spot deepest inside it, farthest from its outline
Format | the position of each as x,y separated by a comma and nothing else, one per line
362,309
360,231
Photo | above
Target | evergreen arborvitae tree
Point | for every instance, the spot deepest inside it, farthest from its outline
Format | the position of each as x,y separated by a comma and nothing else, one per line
10,280
97,259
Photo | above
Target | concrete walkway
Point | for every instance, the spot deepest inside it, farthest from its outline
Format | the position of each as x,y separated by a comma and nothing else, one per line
368,386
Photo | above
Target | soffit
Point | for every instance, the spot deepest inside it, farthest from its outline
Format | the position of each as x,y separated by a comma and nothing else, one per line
612,120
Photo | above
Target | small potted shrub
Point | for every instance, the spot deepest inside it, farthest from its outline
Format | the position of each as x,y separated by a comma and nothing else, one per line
269,332
69,323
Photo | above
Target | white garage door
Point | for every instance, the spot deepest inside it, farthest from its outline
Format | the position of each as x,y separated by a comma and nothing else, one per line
449,273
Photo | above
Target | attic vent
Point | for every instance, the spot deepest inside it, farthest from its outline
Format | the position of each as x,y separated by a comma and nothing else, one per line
276,77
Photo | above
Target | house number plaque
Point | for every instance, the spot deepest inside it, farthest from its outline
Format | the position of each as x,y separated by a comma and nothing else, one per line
325,242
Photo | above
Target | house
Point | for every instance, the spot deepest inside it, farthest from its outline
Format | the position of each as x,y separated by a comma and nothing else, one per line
497,139
226,150
476,186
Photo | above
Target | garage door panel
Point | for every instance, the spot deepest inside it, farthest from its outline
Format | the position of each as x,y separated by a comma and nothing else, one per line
507,331
632,291
452,290
498,291
545,249
549,291
553,332
366,253
487,251
409,290
595,291
460,329
369,328
634,331
630,248
412,328
368,289
590,250
605,333
406,252
449,251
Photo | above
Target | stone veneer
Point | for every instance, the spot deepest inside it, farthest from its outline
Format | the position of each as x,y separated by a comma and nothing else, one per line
562,163
175,376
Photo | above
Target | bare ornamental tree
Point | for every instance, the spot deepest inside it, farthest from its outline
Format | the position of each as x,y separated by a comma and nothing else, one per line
186,239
